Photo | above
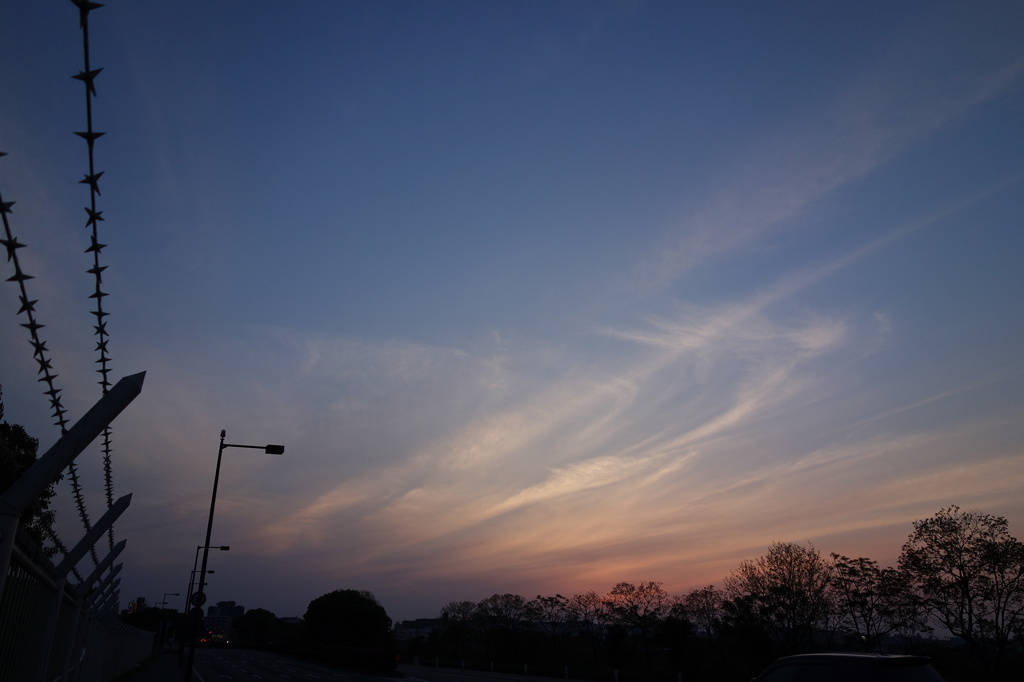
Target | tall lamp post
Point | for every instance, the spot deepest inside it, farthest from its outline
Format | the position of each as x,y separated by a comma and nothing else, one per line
199,598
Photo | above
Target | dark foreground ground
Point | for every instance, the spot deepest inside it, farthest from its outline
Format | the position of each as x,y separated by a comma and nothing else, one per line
240,665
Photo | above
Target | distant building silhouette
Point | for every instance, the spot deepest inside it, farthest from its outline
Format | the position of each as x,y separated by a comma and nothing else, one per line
219,618
408,630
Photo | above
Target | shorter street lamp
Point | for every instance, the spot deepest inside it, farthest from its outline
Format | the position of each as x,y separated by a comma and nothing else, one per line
187,616
188,599
164,631
195,569
192,582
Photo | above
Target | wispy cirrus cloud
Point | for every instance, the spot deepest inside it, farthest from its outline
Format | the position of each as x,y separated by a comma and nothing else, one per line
602,429
892,106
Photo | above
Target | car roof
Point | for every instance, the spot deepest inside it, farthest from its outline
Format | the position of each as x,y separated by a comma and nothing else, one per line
850,656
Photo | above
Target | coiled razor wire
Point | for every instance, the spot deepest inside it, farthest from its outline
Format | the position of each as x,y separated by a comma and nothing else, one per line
88,78
40,352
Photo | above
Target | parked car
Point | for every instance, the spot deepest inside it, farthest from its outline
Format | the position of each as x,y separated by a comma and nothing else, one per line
850,668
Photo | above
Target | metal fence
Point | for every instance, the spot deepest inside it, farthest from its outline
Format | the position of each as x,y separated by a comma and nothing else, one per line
53,630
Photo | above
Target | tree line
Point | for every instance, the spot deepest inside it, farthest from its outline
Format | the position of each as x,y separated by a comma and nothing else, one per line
960,574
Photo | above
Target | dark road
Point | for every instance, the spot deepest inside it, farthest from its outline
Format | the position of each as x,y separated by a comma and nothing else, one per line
427,673
247,666
239,665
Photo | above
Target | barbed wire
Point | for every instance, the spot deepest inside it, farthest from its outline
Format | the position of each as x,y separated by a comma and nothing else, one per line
88,77
41,353
28,308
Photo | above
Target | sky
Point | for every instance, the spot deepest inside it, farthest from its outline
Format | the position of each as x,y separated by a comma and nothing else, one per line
539,296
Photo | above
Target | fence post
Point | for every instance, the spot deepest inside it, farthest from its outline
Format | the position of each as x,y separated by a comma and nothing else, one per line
78,632
71,560
83,589
48,468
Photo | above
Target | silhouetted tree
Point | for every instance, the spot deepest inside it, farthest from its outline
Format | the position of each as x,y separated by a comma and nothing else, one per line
504,618
589,614
256,626
867,597
788,588
703,607
640,607
675,634
970,572
348,618
458,622
18,453
552,614
910,613
745,637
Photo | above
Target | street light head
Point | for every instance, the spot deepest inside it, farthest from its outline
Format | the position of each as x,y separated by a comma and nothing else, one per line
274,449
225,547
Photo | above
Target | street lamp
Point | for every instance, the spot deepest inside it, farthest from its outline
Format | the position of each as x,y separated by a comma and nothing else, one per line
192,580
199,598
163,633
195,569
187,617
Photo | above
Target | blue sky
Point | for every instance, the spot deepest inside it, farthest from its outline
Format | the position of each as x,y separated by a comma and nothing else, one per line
540,296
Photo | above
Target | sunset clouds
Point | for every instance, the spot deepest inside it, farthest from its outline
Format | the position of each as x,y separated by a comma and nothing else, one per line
629,293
